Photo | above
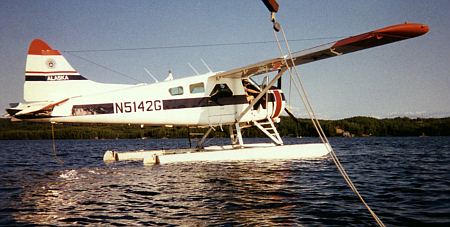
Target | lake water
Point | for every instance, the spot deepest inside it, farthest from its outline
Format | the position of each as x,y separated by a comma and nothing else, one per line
406,181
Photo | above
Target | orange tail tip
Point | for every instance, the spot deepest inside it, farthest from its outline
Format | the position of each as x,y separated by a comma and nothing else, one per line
39,47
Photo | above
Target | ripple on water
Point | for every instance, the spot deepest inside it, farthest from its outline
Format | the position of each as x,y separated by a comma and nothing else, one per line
405,180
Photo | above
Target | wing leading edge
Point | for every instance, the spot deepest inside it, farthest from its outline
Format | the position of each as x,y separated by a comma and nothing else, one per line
367,40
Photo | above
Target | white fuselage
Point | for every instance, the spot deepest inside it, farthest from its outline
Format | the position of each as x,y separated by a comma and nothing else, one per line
189,101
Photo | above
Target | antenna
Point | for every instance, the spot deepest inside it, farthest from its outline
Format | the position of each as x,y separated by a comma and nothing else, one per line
170,76
206,65
193,69
150,74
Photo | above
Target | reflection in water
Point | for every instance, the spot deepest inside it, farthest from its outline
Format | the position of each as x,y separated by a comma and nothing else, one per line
194,194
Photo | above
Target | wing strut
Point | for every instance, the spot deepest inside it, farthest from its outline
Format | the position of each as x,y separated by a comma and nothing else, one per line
263,92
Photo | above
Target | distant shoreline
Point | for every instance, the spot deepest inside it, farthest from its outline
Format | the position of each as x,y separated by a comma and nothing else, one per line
349,127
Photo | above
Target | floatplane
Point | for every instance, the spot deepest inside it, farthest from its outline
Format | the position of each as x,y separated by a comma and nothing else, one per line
55,92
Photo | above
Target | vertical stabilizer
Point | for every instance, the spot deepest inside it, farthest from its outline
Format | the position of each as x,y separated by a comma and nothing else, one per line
48,75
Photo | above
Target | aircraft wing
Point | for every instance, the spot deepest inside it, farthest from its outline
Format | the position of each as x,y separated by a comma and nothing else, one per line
374,38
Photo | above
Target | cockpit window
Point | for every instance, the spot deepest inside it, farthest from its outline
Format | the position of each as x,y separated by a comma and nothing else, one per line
176,90
197,88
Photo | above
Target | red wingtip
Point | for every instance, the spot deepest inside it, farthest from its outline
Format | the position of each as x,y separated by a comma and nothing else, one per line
396,32
39,47
408,30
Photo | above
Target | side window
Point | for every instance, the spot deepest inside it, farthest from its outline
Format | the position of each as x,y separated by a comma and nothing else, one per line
176,90
221,91
197,88
221,94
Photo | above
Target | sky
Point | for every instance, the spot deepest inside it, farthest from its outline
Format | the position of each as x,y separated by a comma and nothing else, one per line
409,78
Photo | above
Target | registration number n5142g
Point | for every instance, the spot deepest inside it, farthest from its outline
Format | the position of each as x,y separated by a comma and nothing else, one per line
142,106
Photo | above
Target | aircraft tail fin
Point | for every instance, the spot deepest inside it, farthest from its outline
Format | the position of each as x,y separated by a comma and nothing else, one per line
48,75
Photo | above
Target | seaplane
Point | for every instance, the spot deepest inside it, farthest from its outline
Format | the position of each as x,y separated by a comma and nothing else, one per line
54,92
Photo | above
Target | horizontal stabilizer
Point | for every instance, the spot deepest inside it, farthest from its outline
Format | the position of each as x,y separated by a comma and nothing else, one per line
44,107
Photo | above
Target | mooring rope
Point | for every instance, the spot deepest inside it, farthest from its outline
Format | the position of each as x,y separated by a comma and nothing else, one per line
54,145
304,97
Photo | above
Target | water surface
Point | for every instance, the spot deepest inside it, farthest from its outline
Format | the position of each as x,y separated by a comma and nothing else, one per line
405,180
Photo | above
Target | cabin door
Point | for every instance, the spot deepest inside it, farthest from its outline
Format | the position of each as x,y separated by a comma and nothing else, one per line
220,105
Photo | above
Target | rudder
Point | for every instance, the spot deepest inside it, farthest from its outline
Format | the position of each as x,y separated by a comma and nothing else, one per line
48,75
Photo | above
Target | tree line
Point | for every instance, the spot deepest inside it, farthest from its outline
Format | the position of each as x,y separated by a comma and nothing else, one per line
355,126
